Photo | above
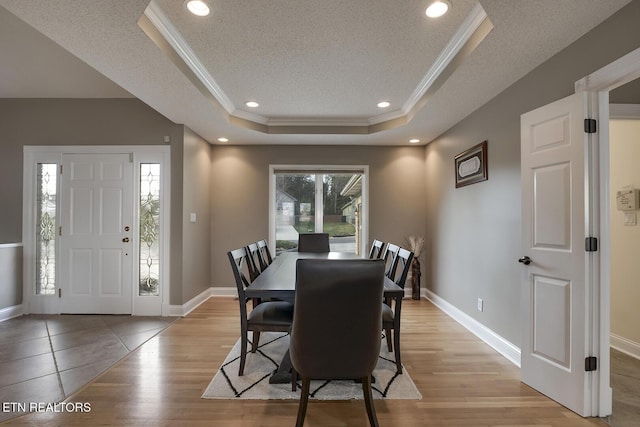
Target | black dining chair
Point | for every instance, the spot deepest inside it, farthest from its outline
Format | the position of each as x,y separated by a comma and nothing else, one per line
376,249
389,313
273,316
264,253
313,242
335,333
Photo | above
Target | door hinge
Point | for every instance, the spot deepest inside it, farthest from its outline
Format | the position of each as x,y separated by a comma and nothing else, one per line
590,363
60,231
60,169
130,157
591,244
59,293
590,126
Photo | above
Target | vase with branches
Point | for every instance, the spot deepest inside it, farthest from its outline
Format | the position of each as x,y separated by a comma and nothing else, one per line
416,244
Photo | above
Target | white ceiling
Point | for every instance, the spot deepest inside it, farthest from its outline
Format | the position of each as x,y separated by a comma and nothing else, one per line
317,68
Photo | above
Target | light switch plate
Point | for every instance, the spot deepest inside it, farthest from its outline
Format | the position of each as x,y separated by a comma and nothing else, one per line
192,217
630,218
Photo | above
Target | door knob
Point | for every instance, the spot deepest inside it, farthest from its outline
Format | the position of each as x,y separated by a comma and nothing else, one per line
125,240
525,260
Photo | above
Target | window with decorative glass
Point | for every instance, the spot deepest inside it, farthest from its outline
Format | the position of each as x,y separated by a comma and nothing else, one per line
149,229
46,205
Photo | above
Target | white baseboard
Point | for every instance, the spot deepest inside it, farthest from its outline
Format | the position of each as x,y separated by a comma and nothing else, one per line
11,312
193,303
625,346
498,343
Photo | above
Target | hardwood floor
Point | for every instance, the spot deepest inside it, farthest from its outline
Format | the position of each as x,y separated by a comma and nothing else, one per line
463,382
625,381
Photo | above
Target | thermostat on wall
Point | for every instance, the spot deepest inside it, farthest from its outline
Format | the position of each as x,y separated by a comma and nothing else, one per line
628,200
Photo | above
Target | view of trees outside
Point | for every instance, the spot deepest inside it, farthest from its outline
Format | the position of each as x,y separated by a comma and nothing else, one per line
295,199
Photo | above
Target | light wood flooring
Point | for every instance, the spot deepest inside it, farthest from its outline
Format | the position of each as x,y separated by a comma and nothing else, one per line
625,381
463,382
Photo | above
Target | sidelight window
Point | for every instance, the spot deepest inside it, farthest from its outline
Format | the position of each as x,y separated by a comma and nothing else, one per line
46,202
149,229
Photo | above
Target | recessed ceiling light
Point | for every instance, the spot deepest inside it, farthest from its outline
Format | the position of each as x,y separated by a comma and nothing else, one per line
438,8
251,104
383,104
414,140
198,7
223,139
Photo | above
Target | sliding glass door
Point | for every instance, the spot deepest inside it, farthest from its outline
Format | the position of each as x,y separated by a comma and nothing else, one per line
318,201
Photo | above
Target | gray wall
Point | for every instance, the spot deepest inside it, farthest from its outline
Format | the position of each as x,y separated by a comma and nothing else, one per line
474,233
83,122
10,275
240,193
196,237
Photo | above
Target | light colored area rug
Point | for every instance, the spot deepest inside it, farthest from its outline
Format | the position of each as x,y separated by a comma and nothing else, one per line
254,384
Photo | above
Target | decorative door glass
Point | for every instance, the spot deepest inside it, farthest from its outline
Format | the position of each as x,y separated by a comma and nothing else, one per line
149,229
46,228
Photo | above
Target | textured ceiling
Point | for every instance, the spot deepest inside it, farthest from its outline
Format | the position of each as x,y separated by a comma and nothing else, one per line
321,63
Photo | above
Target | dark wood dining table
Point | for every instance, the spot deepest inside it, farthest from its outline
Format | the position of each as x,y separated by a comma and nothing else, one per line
279,281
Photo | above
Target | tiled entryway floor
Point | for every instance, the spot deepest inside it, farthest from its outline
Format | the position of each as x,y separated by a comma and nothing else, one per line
45,358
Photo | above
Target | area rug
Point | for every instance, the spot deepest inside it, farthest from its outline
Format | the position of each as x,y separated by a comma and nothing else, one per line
254,384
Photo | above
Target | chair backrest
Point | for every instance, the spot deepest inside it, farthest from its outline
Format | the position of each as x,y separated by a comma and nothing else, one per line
253,264
238,259
376,249
337,318
403,263
265,253
390,261
313,242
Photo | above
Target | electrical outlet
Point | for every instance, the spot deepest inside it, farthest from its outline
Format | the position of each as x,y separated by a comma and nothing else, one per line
480,304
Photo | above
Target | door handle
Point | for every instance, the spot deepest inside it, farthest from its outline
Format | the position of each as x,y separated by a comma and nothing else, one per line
525,260
125,240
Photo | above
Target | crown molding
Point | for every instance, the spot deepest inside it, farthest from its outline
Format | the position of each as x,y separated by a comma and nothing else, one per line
471,32
465,32
171,35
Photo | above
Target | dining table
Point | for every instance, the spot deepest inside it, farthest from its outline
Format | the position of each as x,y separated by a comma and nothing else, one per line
278,281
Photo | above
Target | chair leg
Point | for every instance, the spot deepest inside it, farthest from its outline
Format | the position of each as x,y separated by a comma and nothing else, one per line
243,352
396,344
387,334
256,340
368,400
294,379
304,399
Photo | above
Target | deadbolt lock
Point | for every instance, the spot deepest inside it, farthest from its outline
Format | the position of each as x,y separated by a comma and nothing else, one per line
127,228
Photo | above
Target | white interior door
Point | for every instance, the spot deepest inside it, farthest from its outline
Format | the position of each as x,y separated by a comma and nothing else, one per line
555,321
96,256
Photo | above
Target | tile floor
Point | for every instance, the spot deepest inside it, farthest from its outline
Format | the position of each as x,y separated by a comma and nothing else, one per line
45,358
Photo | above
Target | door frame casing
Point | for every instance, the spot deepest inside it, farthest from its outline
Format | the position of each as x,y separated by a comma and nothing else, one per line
49,304
597,85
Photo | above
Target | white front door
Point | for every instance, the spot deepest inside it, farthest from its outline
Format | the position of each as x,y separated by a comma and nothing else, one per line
96,249
555,295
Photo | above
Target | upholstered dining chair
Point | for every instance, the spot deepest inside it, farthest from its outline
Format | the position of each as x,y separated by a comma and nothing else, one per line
390,261
335,333
376,249
273,316
264,253
313,242
389,313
